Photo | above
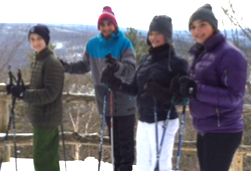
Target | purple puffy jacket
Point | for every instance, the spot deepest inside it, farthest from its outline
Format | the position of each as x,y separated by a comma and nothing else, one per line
221,73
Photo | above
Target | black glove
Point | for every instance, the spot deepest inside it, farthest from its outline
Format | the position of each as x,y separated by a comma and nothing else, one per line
8,88
114,83
112,63
17,91
154,89
174,87
188,87
106,74
108,78
64,64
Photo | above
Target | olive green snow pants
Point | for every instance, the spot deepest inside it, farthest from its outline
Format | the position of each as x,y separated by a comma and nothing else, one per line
45,149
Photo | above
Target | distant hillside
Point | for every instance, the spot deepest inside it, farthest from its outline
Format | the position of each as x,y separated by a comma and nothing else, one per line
70,40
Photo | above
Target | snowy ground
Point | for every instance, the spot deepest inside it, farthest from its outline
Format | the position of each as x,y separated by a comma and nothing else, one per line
90,164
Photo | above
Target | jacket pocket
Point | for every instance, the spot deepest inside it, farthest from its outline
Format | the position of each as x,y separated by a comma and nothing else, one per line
200,109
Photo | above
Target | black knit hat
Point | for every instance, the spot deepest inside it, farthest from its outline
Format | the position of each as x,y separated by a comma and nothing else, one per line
163,25
204,13
41,30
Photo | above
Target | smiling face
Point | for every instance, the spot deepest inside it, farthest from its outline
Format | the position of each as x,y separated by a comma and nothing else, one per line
156,39
106,28
37,42
201,31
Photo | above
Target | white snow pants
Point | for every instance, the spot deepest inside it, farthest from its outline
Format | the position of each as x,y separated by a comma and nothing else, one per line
146,145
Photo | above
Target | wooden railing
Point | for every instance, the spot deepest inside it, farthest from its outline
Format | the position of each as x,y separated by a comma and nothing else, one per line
94,138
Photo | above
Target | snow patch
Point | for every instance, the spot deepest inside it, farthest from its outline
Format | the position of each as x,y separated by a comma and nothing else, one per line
90,164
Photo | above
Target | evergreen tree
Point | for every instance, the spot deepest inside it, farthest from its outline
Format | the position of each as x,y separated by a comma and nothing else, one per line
138,41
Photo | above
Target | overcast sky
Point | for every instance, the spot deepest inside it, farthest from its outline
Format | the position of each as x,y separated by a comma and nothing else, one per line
129,13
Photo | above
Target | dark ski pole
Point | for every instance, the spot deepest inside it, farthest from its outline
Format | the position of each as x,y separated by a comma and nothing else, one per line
111,129
11,118
109,57
63,143
163,134
20,83
102,133
182,126
156,136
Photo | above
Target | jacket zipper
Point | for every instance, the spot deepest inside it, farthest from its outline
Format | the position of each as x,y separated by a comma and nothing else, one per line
226,77
198,59
218,116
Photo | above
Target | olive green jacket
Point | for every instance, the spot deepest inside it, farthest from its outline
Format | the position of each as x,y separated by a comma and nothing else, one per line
44,95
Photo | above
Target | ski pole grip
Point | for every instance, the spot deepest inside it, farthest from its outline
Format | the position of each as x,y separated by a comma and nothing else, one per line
173,100
185,101
190,90
9,80
108,57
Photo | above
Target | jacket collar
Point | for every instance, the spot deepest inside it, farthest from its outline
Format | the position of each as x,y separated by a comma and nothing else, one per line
115,35
43,53
210,44
164,51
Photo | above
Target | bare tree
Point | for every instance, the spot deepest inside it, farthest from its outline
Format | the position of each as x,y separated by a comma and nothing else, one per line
236,19
11,42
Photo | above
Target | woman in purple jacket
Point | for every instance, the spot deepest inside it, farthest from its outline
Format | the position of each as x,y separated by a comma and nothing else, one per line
216,88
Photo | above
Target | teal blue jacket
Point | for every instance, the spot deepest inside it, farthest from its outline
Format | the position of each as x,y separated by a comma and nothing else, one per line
122,50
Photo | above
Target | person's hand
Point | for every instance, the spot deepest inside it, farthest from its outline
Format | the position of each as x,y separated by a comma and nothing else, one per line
106,74
114,83
157,91
188,87
8,88
174,86
108,78
63,63
17,91
112,63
